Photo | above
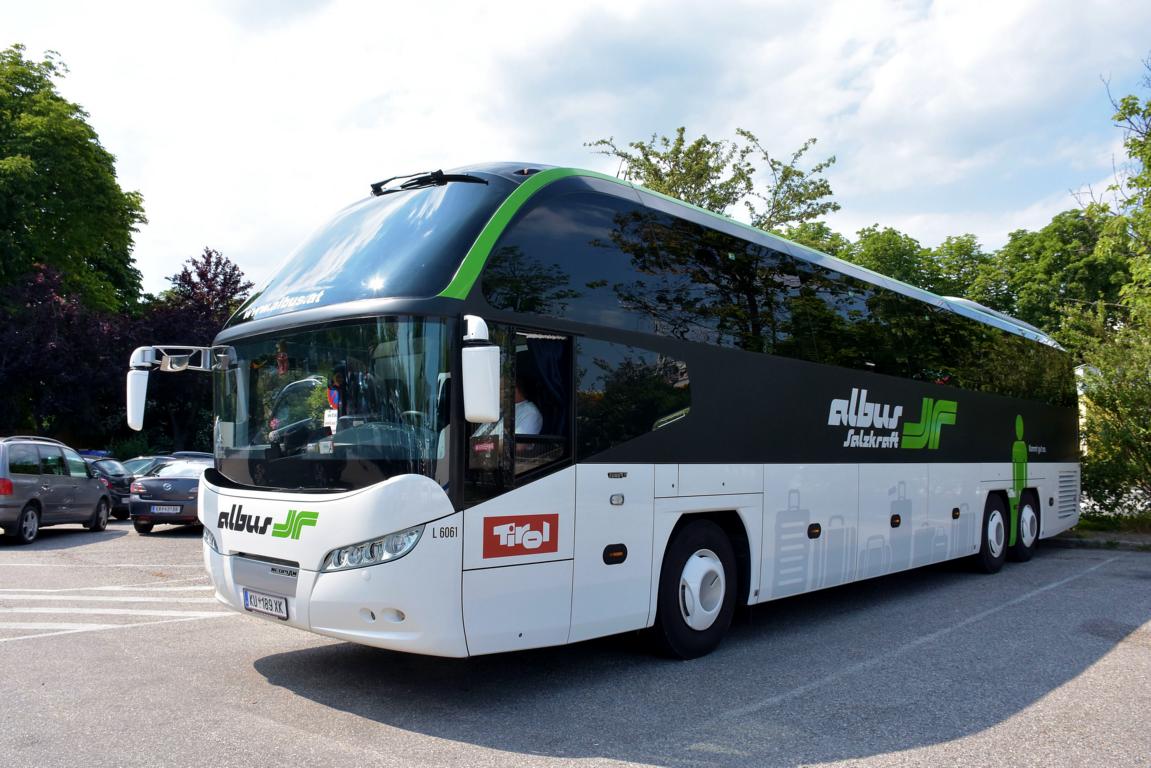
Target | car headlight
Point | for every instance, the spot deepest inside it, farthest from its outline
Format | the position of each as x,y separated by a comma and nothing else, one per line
373,552
210,540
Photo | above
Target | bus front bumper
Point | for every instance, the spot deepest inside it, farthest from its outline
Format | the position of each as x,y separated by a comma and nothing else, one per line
412,604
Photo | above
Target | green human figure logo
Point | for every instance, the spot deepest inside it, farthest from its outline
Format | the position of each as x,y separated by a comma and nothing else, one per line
1018,476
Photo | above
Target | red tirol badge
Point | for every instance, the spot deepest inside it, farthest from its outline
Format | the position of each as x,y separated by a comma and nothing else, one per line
521,535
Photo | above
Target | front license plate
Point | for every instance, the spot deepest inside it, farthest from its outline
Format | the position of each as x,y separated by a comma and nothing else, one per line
271,605
160,509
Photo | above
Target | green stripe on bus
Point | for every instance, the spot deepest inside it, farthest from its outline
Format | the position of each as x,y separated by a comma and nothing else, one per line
478,254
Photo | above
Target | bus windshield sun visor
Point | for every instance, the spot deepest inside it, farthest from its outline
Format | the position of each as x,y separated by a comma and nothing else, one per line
420,180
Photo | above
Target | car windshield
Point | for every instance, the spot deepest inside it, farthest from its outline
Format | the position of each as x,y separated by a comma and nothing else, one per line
110,467
183,469
337,407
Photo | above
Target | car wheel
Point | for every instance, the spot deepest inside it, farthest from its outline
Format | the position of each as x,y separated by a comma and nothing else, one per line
142,527
27,525
99,519
697,587
1027,530
993,539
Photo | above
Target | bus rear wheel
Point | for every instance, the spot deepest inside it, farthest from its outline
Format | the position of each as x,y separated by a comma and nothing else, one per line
993,539
1027,529
697,587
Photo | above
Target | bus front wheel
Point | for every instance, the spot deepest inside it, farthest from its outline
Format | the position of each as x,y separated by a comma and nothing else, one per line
993,539
697,587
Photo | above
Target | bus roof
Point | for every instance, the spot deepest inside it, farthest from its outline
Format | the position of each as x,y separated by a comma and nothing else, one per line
350,244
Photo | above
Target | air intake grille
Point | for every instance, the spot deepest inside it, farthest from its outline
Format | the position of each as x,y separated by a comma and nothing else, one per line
1067,504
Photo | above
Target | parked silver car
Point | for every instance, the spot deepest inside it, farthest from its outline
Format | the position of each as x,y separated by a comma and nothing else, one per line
44,482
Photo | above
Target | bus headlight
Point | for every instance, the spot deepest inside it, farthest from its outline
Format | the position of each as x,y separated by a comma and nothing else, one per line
373,552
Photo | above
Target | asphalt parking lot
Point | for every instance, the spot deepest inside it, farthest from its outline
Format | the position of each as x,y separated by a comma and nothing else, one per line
113,653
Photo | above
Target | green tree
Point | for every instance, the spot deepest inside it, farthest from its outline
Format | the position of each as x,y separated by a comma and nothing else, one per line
60,203
714,175
895,254
718,175
204,294
960,260
1117,350
61,363
1116,428
794,195
1037,274
817,235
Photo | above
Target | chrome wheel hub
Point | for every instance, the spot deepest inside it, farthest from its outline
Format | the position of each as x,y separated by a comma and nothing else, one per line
701,589
996,533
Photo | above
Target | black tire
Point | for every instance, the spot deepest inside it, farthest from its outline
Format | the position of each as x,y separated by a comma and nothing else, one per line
27,525
709,606
993,536
142,527
99,520
1026,528
120,514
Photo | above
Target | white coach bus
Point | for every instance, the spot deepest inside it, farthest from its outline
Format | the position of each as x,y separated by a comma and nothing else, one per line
505,407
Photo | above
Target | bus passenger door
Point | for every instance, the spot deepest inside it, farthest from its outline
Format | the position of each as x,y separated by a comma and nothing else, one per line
519,524
615,508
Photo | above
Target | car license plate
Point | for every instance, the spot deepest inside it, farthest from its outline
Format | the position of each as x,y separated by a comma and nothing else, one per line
271,605
160,509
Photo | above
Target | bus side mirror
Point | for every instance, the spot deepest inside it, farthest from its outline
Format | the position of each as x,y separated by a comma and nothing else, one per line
137,394
480,374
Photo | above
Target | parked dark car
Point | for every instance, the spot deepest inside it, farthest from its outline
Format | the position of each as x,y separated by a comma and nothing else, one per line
44,482
117,480
168,496
146,465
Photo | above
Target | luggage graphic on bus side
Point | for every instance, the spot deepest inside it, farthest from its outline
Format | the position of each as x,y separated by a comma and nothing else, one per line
792,548
930,545
901,536
962,532
836,563
875,559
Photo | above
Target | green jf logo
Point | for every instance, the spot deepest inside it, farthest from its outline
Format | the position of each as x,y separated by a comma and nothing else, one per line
925,432
290,528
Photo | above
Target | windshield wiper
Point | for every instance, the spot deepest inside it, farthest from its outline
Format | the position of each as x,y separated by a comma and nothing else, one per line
424,179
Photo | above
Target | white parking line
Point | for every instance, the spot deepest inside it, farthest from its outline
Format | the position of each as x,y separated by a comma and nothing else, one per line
106,598
119,612
58,625
122,588
104,628
199,566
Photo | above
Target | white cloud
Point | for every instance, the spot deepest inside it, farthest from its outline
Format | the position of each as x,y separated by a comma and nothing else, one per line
244,131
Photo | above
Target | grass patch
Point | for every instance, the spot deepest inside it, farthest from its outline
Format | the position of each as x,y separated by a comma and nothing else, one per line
1115,523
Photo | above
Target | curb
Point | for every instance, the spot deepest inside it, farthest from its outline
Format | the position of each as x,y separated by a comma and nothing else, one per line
1123,545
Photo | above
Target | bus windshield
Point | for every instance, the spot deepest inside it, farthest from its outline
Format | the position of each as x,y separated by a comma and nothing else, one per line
402,245
338,407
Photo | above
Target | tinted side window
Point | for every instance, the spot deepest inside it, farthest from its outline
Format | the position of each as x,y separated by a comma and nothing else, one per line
564,257
587,256
51,461
23,459
624,392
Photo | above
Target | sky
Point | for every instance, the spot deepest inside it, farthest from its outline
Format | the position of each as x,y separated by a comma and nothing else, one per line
246,125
